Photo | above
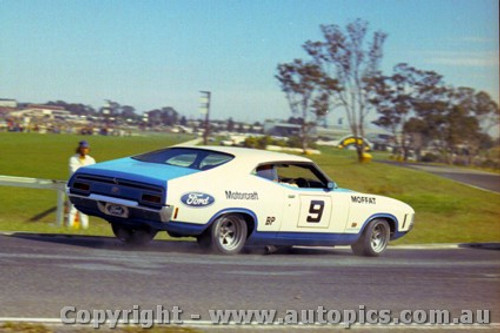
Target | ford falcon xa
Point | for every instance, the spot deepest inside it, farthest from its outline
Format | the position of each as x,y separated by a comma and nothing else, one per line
230,197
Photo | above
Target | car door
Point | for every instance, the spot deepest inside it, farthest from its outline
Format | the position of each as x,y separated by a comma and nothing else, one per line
310,206
315,210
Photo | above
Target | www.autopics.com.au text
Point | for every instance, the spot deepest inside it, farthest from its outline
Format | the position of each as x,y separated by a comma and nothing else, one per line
147,318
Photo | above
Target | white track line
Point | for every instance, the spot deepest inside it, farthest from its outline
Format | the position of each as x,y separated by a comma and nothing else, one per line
431,246
209,324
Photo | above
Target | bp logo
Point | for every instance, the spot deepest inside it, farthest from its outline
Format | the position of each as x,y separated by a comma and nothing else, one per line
197,199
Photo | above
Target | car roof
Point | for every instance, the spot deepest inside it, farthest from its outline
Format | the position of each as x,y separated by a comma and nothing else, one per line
250,156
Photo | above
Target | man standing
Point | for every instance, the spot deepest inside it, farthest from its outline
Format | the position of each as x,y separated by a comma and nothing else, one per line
81,158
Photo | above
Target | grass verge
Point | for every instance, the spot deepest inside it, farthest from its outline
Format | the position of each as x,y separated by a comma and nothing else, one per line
12,327
446,211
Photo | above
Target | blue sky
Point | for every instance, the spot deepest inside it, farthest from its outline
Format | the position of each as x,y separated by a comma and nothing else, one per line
151,54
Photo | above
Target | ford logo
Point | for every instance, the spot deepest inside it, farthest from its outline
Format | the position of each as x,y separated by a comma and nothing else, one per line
116,210
197,199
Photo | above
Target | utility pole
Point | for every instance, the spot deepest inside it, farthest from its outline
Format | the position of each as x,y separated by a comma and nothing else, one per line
106,112
205,109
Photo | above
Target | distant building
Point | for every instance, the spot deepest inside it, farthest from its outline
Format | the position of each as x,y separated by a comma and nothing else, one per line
381,141
8,103
6,107
278,128
41,111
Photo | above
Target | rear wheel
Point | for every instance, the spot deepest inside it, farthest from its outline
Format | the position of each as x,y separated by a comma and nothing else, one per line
133,236
228,234
374,240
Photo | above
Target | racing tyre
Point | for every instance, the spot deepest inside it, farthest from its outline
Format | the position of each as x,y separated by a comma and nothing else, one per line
228,234
374,240
133,236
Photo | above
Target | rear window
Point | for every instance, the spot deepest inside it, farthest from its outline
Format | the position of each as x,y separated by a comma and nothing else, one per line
198,159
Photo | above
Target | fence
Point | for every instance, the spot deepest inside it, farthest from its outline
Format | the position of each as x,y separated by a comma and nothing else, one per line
44,184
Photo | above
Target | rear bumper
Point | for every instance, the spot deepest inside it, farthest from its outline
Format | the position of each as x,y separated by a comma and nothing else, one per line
94,205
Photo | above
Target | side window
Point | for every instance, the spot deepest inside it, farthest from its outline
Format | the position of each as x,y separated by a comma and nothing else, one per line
267,171
301,175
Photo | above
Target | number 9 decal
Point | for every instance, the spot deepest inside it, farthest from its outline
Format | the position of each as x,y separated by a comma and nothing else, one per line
316,211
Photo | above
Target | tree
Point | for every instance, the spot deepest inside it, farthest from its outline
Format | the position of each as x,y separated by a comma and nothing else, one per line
128,112
306,91
183,121
453,120
296,121
230,125
394,98
165,116
112,109
116,113
344,58
75,108
417,134
488,111
170,116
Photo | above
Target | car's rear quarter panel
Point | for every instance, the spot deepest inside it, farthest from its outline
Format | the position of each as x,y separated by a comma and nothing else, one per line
244,193
366,207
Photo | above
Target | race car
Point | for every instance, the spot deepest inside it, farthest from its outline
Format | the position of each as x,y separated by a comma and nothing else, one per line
230,197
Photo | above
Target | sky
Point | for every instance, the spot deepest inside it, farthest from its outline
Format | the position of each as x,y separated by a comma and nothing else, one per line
151,53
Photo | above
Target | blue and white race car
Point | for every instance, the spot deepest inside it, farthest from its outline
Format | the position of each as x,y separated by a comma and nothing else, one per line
230,197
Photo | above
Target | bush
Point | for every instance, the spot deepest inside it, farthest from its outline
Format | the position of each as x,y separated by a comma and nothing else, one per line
263,141
257,142
295,142
430,158
490,164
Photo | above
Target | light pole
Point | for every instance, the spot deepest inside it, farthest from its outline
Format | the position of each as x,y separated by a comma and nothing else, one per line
205,108
106,112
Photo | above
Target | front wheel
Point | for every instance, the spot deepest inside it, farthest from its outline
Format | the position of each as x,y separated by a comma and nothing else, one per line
132,236
228,234
374,240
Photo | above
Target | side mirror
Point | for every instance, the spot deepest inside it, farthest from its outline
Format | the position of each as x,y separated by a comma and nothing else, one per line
332,185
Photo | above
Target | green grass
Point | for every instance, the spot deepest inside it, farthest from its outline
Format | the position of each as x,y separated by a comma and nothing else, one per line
11,327
24,328
47,156
446,211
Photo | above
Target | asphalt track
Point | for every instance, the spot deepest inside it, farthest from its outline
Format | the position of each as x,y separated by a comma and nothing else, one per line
476,178
39,275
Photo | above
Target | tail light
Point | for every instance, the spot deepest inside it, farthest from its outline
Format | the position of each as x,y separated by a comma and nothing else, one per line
151,199
81,186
